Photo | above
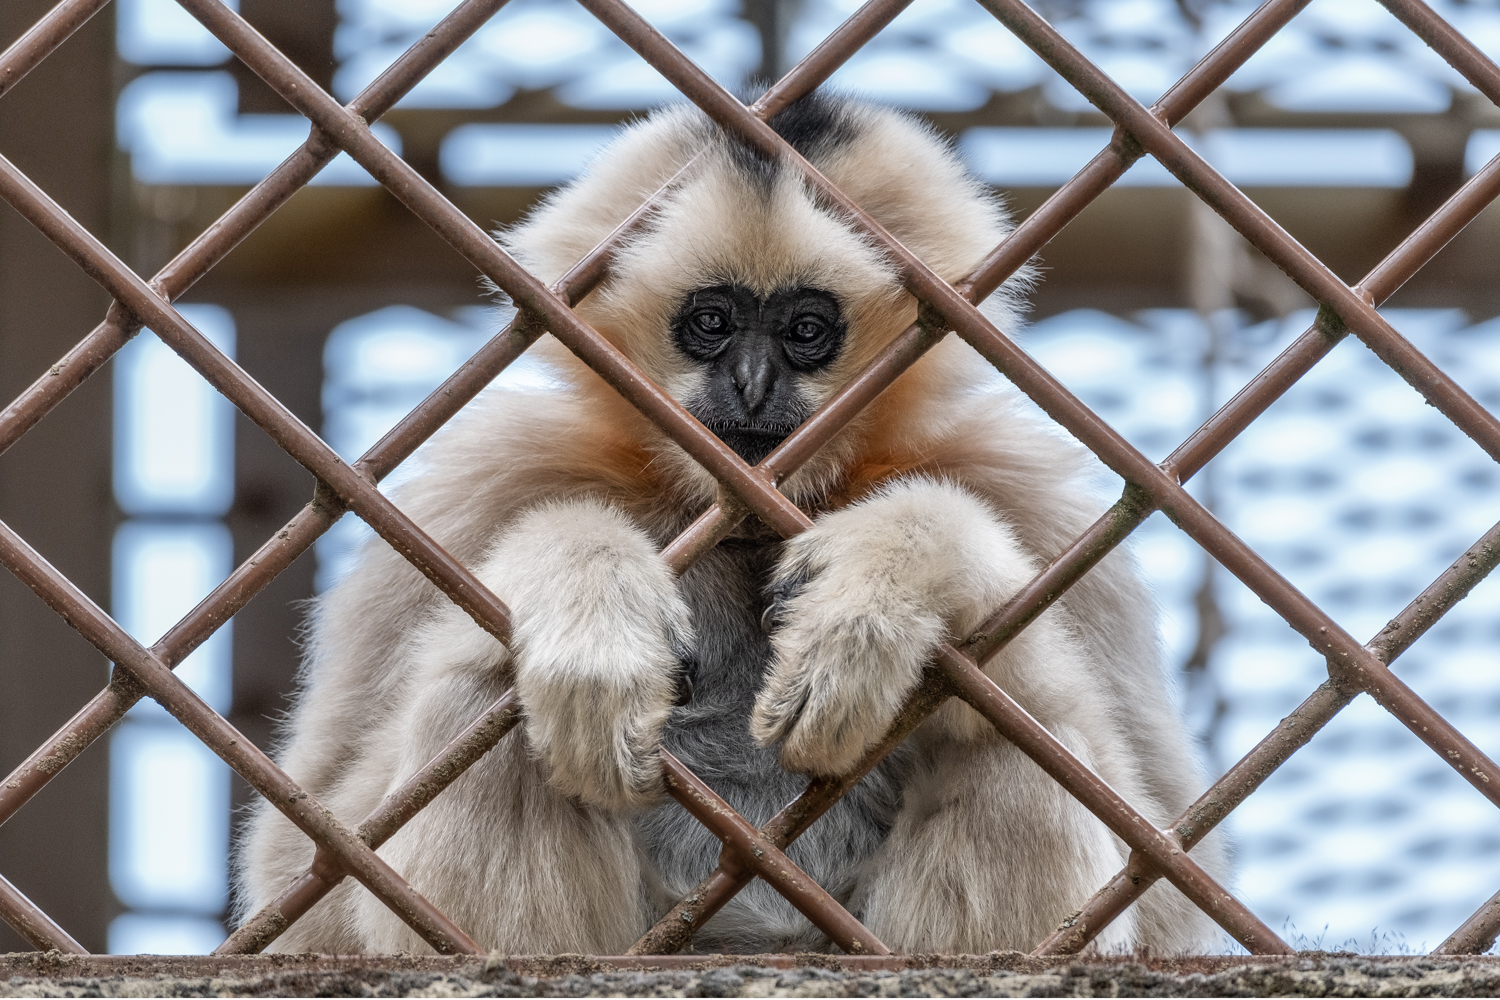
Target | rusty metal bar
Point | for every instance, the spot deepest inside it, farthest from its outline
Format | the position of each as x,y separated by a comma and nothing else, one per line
1477,934
252,399
464,384
43,38
171,693
258,204
1251,222
394,811
675,930
1460,53
1064,205
1162,847
1290,735
755,851
31,923
756,490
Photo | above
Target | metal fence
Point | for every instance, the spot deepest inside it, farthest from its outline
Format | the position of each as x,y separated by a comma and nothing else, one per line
751,491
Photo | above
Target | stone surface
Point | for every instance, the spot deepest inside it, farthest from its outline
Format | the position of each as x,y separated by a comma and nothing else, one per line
1314,974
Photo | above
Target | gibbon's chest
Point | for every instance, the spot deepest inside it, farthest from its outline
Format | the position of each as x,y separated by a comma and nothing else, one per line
726,591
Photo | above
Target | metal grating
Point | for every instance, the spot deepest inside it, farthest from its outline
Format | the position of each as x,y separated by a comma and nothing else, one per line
745,491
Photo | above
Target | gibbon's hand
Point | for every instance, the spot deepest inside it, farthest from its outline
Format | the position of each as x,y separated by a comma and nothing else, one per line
858,604
603,650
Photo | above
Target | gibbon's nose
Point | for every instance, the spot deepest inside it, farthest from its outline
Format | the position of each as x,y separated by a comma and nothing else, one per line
752,377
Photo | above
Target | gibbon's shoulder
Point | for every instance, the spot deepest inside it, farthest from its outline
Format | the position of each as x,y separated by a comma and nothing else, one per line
511,448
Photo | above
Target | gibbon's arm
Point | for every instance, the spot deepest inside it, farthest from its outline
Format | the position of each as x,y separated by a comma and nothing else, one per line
861,600
600,645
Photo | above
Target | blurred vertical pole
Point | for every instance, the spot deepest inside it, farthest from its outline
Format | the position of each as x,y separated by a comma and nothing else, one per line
57,126
1212,261
772,19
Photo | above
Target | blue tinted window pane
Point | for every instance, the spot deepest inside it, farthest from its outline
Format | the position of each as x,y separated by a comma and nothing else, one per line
162,33
154,934
502,154
185,128
161,571
174,433
169,820
1360,494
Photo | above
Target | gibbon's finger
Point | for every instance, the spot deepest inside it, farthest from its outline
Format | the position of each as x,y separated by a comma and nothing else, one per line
780,595
837,682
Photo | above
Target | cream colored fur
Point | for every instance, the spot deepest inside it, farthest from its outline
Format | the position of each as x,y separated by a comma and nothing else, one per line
931,509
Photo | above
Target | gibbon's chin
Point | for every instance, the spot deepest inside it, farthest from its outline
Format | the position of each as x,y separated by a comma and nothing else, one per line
750,442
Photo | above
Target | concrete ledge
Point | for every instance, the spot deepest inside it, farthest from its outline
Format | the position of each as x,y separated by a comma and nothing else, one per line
1311,974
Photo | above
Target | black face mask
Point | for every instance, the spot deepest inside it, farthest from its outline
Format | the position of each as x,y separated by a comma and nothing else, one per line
753,350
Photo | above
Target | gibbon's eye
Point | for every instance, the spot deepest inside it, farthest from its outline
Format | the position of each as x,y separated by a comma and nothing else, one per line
807,328
814,330
710,321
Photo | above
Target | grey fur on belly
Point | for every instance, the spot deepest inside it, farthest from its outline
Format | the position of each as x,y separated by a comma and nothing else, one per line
726,592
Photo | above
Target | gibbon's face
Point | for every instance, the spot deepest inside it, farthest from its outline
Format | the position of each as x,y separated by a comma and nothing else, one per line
753,352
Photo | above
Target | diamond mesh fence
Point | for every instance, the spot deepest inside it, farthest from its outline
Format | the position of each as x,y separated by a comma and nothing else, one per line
750,852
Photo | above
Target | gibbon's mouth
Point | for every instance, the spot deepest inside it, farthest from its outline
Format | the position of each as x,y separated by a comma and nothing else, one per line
752,442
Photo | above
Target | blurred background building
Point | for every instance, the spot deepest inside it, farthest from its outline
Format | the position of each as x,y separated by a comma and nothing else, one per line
1346,129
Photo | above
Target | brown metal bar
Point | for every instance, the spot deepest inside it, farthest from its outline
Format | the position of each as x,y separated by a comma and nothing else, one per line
1448,42
394,811
1252,223
1290,735
675,930
829,54
31,923
258,204
252,399
43,38
90,621
1057,211
1344,653
397,444
1415,251
86,357
1475,936
752,849
1162,847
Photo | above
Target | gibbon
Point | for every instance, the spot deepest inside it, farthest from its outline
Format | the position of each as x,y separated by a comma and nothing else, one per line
768,660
